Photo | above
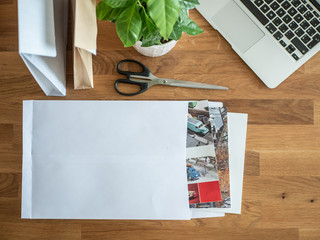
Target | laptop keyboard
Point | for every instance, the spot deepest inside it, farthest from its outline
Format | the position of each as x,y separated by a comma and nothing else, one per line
295,24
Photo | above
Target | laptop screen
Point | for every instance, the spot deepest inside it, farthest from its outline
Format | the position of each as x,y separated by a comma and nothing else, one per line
316,3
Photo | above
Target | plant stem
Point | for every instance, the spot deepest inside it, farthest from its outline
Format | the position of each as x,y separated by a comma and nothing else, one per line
139,3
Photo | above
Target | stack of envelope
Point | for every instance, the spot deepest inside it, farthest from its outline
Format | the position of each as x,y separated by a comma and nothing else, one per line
115,160
43,40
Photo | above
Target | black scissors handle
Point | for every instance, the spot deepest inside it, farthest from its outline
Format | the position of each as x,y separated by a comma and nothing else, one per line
145,71
143,86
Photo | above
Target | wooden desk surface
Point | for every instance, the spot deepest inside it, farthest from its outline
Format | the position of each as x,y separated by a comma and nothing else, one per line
281,195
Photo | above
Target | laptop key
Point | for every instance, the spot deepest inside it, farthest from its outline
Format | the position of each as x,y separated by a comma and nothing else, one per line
299,45
293,25
299,32
286,5
255,11
318,29
279,1
298,18
281,12
314,22
274,6
302,9
271,28
314,41
289,34
258,2
287,19
265,8
305,39
283,43
316,14
309,6
292,11
283,28
304,24
295,56
295,3
271,15
268,1
290,49
277,21
311,31
278,35
308,15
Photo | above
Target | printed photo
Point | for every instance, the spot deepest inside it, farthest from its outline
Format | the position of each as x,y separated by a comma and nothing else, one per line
202,169
218,121
193,193
199,126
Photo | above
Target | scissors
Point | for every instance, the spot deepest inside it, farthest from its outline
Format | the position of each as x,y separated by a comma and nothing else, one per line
146,79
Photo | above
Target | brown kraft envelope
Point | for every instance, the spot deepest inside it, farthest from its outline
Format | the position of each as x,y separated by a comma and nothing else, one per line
84,42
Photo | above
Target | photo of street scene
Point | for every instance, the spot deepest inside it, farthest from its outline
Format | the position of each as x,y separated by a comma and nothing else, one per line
202,169
199,125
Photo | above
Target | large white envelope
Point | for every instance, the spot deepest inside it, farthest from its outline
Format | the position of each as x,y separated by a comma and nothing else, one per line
104,160
42,42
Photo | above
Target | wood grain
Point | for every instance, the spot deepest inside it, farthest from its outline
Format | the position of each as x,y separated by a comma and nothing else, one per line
281,196
9,185
252,163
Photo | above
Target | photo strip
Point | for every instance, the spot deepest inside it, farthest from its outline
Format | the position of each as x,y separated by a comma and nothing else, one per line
201,164
218,119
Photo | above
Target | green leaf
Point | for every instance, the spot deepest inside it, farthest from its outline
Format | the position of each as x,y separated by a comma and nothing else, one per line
149,25
128,25
105,12
147,42
177,32
187,25
164,14
190,27
102,10
151,40
189,4
183,14
119,3
114,14
150,33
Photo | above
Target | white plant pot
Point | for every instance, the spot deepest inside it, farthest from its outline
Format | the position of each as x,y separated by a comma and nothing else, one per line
156,50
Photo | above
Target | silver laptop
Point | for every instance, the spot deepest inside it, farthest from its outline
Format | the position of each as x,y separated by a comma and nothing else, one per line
274,37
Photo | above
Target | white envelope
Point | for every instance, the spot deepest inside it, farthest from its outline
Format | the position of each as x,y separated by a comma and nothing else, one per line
104,160
42,42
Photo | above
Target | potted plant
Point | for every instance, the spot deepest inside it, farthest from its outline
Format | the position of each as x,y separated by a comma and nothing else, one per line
151,26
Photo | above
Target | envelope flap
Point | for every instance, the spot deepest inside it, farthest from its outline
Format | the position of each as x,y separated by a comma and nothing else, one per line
36,27
85,25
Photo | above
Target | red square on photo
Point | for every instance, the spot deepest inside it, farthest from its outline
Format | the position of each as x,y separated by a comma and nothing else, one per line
209,192
193,193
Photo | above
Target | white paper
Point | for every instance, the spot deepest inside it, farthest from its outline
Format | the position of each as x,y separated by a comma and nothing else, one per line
42,42
237,130
104,160
203,213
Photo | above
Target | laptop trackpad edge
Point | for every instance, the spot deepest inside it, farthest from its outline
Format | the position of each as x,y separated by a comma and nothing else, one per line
241,31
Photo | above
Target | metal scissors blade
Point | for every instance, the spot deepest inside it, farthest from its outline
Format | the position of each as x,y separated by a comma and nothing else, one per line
153,80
